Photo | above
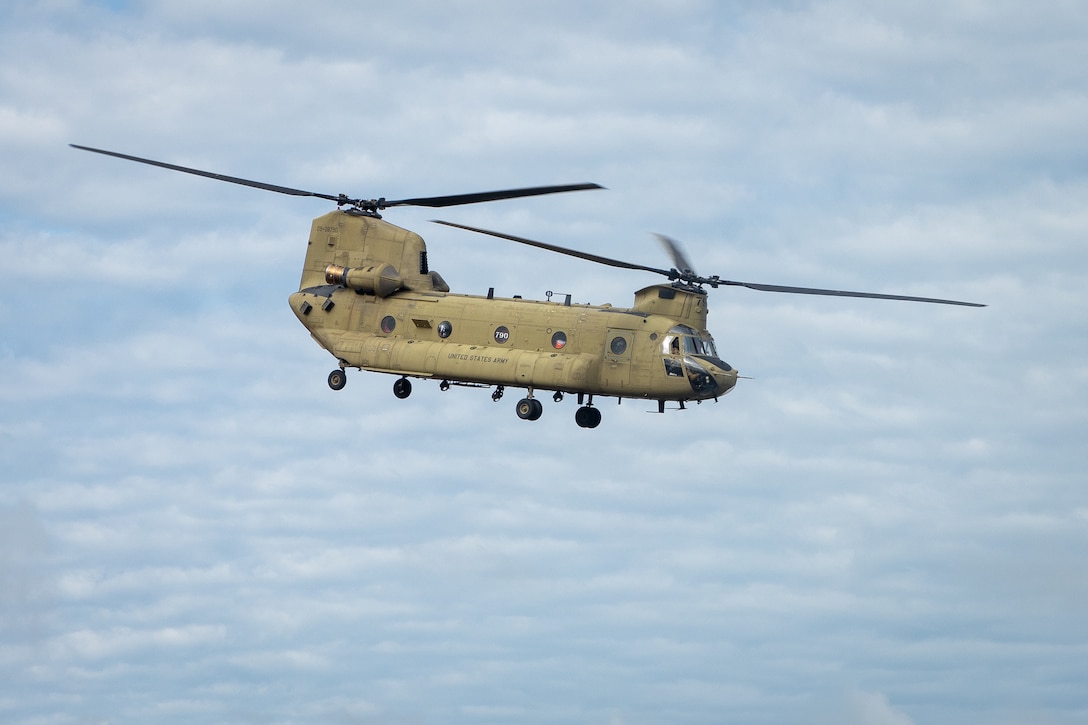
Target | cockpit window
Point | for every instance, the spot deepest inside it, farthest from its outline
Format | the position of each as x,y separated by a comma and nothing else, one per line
703,346
683,339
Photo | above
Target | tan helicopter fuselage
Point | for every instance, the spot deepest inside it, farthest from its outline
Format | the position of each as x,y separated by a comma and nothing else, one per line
368,297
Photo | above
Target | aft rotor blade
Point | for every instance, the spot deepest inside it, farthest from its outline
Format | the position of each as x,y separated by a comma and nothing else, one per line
369,204
561,250
212,175
459,199
842,293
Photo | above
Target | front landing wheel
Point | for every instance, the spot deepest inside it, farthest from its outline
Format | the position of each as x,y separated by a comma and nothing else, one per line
587,417
338,379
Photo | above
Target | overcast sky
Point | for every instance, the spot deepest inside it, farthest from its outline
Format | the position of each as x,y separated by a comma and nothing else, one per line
886,523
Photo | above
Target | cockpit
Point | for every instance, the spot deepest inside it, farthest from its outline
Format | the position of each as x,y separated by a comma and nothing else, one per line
691,354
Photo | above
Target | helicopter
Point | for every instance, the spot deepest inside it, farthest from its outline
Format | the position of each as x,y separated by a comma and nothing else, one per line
369,297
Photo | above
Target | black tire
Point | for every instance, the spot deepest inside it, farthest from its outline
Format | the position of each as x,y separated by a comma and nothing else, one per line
587,417
402,388
338,379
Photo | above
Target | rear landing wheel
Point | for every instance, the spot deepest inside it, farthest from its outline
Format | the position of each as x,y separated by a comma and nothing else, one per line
587,417
338,379
402,388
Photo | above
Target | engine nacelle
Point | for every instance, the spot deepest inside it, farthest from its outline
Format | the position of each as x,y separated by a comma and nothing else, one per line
380,280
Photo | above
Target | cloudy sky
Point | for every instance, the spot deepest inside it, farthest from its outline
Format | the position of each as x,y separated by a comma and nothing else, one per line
886,524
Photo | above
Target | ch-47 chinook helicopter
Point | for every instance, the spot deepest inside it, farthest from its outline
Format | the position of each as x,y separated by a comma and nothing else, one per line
368,296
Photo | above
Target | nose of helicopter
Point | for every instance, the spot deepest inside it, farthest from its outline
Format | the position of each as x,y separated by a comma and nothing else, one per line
726,379
710,377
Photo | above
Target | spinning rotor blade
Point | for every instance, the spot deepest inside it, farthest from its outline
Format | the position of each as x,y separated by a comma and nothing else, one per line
671,274
458,199
678,258
839,293
212,175
342,199
688,276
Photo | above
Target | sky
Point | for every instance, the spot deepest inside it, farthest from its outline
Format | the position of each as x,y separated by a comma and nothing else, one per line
885,523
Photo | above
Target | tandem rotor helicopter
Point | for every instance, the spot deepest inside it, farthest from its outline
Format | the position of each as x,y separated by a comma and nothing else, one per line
369,297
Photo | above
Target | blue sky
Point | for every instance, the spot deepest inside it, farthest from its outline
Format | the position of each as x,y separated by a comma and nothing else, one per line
887,524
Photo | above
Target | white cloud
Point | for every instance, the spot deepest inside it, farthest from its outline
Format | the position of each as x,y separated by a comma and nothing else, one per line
27,586
873,708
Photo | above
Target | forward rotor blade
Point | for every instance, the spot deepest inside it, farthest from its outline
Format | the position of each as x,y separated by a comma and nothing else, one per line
690,278
212,175
459,199
842,293
676,253
561,250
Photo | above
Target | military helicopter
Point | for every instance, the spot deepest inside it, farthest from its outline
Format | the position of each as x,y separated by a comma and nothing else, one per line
369,297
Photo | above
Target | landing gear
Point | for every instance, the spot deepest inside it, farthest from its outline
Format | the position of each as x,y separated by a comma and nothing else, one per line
497,394
530,409
338,379
402,388
587,417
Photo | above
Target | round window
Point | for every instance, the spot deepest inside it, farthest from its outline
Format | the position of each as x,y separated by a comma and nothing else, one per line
502,335
618,346
445,329
388,324
559,340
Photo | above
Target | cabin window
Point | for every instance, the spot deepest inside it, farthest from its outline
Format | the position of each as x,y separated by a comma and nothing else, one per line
559,340
445,329
388,324
618,346
502,334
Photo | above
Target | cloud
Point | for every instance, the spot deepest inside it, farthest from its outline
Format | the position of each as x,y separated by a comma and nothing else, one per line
27,586
873,708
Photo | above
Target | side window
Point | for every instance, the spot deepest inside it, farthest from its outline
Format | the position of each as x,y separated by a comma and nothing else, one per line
618,345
